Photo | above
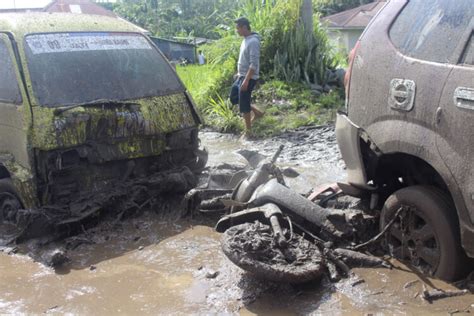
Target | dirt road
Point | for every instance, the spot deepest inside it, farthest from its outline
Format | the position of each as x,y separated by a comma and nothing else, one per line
159,264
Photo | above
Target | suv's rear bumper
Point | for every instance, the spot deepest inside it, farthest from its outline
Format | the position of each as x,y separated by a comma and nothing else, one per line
348,139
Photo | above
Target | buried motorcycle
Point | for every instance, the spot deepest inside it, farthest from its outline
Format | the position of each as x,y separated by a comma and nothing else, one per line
278,234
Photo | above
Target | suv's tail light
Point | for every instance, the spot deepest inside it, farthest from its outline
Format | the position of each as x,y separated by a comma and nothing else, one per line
347,77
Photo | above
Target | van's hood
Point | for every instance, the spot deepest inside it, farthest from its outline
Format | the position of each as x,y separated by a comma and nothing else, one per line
149,120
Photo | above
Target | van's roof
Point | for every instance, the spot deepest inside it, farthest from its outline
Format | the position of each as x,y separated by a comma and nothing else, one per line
21,24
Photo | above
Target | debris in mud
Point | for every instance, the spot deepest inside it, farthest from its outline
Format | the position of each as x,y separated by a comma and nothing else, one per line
211,274
436,294
253,248
119,199
357,259
410,284
10,250
54,258
357,282
467,283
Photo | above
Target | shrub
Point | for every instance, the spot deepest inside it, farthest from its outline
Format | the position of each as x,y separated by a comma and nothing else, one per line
223,115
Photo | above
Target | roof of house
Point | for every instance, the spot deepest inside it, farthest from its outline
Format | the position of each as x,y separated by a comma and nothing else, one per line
77,6
160,39
193,40
356,18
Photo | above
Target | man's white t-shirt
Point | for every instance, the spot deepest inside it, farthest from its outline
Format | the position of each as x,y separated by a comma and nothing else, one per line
201,59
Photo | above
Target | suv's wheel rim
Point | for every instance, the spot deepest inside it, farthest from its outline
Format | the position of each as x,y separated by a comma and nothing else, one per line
412,238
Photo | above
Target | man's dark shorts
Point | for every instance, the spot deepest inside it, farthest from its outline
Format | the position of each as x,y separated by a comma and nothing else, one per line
242,98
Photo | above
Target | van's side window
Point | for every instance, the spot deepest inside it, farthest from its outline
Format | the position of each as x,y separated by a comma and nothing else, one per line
468,55
431,30
9,91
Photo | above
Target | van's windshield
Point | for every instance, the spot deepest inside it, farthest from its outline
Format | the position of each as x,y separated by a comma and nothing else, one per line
75,68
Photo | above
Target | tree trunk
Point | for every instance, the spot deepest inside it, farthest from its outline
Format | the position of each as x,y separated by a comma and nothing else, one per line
306,15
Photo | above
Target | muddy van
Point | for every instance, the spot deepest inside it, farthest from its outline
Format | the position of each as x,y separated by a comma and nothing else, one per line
408,135
84,101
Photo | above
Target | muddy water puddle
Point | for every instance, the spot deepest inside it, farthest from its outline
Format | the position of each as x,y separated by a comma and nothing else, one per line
136,268
153,265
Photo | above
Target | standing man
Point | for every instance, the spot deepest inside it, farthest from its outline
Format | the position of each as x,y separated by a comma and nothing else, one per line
248,73
201,59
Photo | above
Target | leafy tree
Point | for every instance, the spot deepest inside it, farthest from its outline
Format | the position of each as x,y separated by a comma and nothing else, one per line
169,18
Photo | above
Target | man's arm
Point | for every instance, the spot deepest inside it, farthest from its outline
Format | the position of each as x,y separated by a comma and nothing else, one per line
254,50
247,78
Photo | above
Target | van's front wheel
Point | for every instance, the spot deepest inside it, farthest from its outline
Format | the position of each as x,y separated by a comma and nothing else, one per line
9,206
426,232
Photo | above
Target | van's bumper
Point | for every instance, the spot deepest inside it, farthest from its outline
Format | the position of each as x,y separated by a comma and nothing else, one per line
348,139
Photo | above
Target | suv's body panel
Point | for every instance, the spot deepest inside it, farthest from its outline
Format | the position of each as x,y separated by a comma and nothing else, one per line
42,145
434,130
454,133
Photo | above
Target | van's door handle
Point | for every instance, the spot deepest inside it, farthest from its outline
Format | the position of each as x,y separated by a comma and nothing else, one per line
464,98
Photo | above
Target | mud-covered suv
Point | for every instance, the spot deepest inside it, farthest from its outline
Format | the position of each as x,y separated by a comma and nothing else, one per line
408,135
84,101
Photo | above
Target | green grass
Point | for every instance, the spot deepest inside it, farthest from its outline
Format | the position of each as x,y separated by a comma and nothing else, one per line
209,86
289,106
199,80
286,105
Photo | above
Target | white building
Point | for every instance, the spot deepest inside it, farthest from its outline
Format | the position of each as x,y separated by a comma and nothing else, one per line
346,27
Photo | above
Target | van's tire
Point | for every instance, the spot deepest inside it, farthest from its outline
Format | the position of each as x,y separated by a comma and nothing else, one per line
9,205
426,232
6,186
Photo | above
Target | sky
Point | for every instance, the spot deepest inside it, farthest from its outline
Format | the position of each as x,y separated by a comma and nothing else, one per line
10,4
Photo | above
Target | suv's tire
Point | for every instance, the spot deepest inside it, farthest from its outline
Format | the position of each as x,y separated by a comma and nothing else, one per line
426,233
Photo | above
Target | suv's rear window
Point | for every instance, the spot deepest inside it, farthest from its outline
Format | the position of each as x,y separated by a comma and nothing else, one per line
431,29
74,68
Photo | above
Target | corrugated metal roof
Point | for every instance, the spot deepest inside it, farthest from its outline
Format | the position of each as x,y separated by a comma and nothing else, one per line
172,41
354,18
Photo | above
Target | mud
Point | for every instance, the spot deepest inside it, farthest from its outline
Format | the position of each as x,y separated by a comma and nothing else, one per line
158,263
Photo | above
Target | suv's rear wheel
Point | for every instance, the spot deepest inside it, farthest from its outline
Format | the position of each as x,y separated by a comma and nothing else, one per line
426,232
9,206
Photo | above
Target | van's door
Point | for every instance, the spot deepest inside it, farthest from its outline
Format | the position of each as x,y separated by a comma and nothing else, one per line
15,119
455,123
12,123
